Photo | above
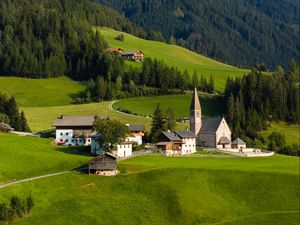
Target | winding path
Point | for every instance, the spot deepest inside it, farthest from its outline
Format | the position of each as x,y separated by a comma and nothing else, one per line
110,107
32,178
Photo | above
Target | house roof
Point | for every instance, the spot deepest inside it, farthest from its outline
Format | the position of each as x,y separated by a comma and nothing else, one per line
186,134
210,125
131,52
195,103
136,127
172,136
238,141
223,140
102,155
162,143
79,121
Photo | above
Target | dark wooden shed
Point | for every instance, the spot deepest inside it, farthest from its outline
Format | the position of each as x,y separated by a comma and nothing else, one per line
106,162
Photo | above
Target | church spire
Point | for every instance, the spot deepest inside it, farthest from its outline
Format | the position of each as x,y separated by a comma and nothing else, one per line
195,113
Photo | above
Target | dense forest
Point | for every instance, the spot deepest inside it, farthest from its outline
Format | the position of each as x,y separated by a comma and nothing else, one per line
43,38
10,114
256,98
238,32
154,78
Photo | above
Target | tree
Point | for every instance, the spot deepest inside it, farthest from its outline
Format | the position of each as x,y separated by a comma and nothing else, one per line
111,133
170,119
158,123
23,123
120,37
211,85
195,80
276,141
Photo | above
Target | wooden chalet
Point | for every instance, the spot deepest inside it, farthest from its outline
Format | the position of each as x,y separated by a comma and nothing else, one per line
118,51
105,165
169,143
135,55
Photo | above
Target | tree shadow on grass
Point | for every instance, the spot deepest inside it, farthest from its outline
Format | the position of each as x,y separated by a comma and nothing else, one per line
75,150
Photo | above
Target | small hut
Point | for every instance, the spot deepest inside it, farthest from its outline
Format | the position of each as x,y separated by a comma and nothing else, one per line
224,142
105,165
238,144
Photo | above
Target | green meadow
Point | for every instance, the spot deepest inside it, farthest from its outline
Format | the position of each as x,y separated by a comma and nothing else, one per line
176,56
161,190
42,118
41,92
22,157
290,132
180,104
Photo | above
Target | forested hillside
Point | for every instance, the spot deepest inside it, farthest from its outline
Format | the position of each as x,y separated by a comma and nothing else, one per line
43,38
239,32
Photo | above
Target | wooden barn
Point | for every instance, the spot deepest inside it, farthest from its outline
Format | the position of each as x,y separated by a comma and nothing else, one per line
105,165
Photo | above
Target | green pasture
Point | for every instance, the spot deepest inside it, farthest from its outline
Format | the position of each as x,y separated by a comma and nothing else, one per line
41,92
176,56
161,190
180,104
23,157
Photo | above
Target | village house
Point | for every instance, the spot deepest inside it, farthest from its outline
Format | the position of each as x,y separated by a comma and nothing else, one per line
137,132
172,143
73,130
124,149
105,165
135,55
210,132
238,144
115,50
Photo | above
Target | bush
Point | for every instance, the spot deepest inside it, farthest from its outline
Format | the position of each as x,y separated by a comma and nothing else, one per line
120,37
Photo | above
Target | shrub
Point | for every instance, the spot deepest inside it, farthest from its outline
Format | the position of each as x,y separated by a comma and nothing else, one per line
120,37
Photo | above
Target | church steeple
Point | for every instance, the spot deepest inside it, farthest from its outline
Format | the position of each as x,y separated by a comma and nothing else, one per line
195,113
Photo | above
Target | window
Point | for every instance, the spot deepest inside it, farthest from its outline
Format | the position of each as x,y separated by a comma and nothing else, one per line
61,140
67,140
67,134
61,134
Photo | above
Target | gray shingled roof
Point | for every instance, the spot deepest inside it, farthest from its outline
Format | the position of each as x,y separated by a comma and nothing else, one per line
223,140
238,141
65,121
136,127
186,134
131,52
210,125
195,104
171,136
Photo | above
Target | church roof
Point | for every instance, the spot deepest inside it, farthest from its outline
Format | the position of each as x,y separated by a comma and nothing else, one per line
223,140
210,125
195,104
238,141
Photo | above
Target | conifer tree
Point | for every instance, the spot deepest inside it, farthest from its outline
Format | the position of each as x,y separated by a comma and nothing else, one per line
158,123
170,119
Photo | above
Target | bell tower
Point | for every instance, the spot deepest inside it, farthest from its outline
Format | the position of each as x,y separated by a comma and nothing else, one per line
195,114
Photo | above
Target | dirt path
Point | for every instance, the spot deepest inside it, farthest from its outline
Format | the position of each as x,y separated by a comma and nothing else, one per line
32,178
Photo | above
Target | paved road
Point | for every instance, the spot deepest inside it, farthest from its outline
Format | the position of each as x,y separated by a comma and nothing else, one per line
32,178
110,107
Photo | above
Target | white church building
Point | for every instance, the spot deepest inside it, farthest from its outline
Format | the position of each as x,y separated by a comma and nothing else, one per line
210,132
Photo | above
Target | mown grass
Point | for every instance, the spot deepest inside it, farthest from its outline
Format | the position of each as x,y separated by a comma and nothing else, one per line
22,157
41,118
175,56
170,191
180,104
290,132
41,92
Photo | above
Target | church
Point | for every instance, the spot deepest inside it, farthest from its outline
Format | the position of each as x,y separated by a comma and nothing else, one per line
210,132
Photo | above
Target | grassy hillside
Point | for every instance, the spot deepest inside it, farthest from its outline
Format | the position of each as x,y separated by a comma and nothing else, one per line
291,132
41,118
175,56
180,105
22,157
41,92
160,190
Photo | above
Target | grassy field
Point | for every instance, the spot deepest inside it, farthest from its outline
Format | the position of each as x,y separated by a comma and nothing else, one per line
41,92
291,132
175,56
22,157
160,190
41,118
180,105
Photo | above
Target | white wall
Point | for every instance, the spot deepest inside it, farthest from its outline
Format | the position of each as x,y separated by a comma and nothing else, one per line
188,146
223,130
124,150
65,135
138,139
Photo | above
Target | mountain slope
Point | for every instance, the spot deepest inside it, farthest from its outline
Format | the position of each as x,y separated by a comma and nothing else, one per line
175,56
239,32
